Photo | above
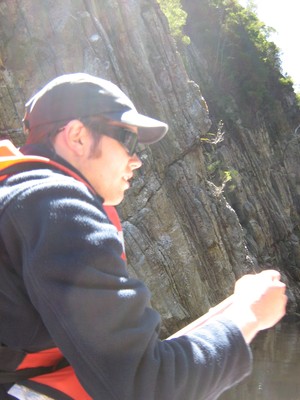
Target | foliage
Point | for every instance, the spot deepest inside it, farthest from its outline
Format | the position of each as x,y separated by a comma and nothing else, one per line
222,175
244,66
214,138
217,171
176,17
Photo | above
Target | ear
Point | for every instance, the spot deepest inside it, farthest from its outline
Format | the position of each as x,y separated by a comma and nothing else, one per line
77,138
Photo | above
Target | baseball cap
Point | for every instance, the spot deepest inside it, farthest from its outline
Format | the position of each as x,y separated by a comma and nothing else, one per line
79,95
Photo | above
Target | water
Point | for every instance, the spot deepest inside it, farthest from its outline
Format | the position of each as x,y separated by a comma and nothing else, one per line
276,368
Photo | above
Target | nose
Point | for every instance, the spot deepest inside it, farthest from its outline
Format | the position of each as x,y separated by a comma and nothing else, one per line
135,161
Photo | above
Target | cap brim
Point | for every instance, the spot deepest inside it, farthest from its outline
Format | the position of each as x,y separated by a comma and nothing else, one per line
150,130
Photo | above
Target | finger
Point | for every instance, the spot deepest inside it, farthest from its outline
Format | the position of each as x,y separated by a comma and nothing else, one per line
271,274
279,284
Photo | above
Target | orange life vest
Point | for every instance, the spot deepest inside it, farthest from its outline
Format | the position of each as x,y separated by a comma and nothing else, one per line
46,367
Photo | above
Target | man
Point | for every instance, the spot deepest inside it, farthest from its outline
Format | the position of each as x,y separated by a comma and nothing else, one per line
64,288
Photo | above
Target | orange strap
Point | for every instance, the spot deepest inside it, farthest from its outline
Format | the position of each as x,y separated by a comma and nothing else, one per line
43,358
64,380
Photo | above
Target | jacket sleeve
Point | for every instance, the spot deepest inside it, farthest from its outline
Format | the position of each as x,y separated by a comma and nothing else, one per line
100,317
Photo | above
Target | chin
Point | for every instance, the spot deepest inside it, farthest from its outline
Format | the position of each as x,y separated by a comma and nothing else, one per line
113,202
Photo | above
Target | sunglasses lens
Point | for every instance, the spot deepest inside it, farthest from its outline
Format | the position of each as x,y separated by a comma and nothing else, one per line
126,137
130,141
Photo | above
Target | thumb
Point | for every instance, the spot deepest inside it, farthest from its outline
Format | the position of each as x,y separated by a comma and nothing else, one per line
271,274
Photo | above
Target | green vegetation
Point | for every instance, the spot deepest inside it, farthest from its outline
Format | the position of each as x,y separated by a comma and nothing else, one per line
176,17
243,83
247,81
223,177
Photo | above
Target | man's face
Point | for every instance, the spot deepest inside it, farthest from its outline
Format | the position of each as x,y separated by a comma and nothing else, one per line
109,167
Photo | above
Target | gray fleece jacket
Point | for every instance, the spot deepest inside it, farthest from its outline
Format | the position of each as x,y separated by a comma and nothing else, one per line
63,283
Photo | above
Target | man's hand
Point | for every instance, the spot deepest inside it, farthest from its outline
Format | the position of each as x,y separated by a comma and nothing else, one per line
259,302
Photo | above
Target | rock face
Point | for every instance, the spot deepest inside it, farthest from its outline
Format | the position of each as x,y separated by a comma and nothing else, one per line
263,156
183,238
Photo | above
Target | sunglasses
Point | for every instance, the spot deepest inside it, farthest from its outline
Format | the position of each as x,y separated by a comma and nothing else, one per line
124,136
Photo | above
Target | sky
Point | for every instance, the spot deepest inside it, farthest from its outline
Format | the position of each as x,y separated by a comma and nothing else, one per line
284,17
